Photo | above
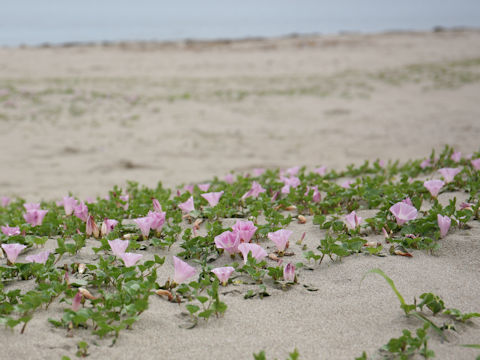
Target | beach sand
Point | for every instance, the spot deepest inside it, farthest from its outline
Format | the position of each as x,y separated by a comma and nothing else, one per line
81,119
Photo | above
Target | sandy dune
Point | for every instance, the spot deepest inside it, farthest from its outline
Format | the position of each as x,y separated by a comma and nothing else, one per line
85,118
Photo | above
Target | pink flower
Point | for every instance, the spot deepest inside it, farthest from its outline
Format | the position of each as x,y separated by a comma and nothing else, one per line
118,246
322,170
449,173
77,301
90,200
381,163
346,184
40,258
157,219
316,194
204,187
5,201
352,220
244,229
35,217
125,198
81,211
385,234
91,227
107,226
465,205
156,206
189,188
425,163
255,190
403,212
228,179
293,171
223,273
187,206
11,230
69,204
256,250
291,182
31,206
258,171
144,223
456,156
12,251
407,201
183,271
434,186
476,164
228,241
130,259
280,238
444,224
213,198
289,272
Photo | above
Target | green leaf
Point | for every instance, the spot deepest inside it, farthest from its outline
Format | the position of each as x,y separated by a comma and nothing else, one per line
192,309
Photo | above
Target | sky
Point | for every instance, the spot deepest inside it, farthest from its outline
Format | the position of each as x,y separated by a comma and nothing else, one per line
56,21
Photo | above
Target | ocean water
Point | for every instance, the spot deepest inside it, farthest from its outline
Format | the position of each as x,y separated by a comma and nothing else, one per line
34,22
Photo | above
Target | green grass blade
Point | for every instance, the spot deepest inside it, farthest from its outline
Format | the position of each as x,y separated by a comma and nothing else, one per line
391,283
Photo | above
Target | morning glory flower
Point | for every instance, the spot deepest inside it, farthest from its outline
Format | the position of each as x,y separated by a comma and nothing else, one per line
280,238
476,164
255,190
204,187
444,224
291,182
228,179
12,251
69,204
77,301
228,241
118,246
31,206
258,253
244,229
157,219
107,226
40,258
289,272
403,212
213,198
144,223
434,186
182,271
456,156
5,201
11,230
258,172
316,194
156,206
187,206
449,173
322,170
189,188
352,220
130,259
425,163
35,217
81,211
91,227
346,184
223,273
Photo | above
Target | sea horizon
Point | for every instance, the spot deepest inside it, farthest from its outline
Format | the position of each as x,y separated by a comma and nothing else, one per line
33,23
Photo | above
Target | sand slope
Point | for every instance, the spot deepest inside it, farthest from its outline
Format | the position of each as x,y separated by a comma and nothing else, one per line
82,119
